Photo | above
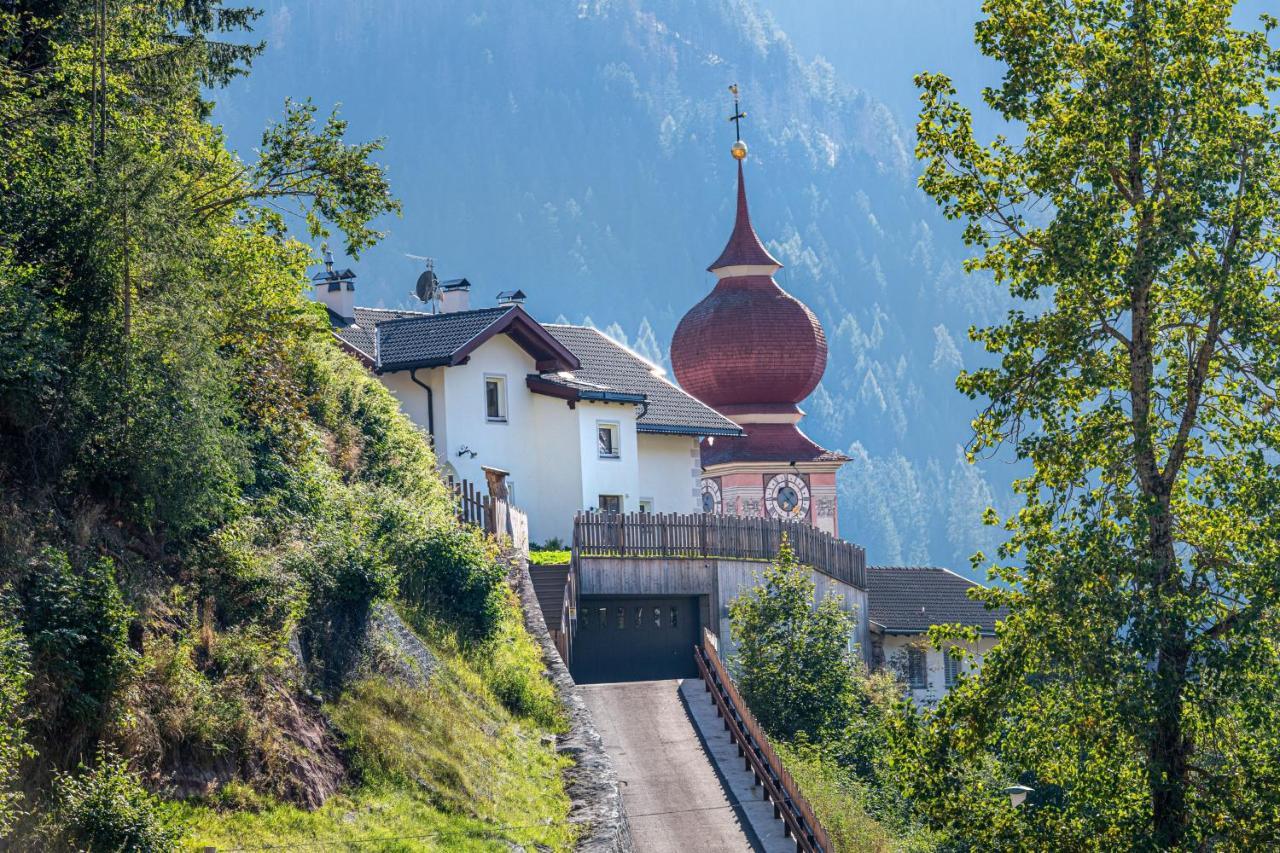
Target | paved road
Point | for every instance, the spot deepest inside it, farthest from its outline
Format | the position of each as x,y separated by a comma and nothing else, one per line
674,798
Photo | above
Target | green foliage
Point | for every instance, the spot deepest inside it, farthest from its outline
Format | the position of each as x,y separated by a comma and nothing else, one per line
76,626
847,806
14,676
1134,684
196,485
449,571
106,808
793,663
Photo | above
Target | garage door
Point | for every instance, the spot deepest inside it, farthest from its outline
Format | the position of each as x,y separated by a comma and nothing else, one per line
634,639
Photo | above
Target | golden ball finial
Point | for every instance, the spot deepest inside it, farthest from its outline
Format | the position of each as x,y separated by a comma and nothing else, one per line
739,150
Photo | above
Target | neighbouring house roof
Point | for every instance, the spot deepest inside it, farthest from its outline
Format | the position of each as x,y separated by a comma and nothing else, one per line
403,340
608,367
911,599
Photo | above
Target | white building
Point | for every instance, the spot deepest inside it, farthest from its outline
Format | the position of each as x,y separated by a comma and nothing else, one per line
904,602
577,420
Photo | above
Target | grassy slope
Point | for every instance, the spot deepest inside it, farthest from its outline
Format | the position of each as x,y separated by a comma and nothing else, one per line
840,802
445,768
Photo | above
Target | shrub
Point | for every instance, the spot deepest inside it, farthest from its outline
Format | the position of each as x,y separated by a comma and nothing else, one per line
13,684
76,626
106,809
450,571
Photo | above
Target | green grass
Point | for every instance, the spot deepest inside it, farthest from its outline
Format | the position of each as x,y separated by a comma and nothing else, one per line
549,558
840,802
445,768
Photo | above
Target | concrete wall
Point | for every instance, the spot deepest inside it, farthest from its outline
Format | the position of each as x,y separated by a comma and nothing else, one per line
895,659
670,472
720,580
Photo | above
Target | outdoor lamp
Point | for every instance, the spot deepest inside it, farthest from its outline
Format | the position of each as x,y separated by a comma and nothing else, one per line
1017,794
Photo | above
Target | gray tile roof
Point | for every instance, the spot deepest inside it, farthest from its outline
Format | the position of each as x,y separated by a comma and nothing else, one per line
910,599
608,365
427,339
359,334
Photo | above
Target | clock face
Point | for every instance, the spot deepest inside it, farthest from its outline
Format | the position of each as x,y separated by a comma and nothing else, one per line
787,497
710,496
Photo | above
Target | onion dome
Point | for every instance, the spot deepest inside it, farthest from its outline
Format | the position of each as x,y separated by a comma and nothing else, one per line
749,346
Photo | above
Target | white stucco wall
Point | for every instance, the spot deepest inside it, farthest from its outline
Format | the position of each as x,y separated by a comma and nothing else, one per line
413,400
555,492
895,657
609,476
670,472
548,448
500,445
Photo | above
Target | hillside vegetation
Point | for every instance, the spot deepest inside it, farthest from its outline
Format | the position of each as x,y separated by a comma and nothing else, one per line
203,503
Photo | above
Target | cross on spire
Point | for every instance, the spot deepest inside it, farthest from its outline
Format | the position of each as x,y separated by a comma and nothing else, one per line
738,115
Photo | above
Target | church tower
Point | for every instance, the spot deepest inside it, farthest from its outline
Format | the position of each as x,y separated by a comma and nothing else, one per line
753,352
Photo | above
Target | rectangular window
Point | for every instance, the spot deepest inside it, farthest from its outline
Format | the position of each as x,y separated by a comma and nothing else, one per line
495,399
917,674
646,504
607,441
610,503
950,669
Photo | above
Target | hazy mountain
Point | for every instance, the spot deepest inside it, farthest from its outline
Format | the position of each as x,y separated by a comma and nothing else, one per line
579,151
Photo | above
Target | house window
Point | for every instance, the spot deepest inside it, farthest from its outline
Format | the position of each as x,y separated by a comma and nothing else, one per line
950,669
646,504
610,503
607,441
917,674
495,399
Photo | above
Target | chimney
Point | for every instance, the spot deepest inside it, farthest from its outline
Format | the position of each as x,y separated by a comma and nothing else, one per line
336,288
455,295
508,298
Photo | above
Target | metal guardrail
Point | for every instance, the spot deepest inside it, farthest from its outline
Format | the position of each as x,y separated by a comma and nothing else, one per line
789,805
646,534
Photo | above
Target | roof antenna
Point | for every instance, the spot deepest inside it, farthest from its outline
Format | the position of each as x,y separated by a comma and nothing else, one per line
427,288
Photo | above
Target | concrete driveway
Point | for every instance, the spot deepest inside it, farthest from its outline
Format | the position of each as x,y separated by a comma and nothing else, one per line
674,798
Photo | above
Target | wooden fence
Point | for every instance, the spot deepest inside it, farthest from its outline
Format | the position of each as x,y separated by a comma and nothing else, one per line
789,804
643,534
494,516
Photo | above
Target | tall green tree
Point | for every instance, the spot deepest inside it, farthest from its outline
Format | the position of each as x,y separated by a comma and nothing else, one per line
792,660
1132,215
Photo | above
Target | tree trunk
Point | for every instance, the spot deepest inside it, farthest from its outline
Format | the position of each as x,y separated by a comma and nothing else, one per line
1168,747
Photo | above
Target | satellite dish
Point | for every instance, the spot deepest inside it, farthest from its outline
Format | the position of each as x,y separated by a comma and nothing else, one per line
427,287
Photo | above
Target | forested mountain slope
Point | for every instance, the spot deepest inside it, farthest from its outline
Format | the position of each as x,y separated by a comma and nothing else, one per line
579,151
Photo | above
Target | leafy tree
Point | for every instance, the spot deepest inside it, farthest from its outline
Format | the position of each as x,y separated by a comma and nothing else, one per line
792,662
1135,681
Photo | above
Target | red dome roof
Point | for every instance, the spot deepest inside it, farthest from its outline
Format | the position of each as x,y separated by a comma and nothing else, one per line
747,345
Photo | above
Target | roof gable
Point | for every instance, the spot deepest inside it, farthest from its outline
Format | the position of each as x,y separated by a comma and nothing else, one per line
404,340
